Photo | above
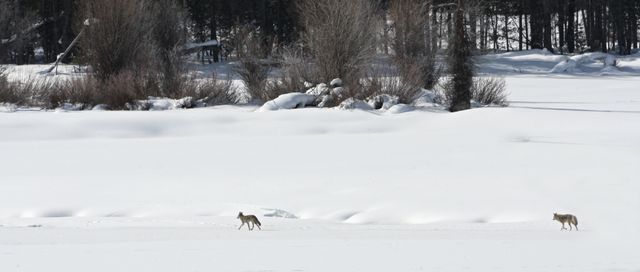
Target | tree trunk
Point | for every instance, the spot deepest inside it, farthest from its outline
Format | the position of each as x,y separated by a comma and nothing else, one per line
537,24
460,64
547,25
213,27
520,30
570,34
561,26
506,31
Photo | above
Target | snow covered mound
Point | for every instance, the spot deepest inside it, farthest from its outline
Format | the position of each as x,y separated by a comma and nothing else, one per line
161,104
288,101
544,62
577,64
6,107
355,104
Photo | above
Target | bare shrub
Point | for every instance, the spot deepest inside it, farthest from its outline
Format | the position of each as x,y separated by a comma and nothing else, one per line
280,86
212,90
82,90
412,54
25,92
254,75
252,69
490,91
121,91
484,90
341,36
422,68
383,81
169,35
9,91
297,69
119,37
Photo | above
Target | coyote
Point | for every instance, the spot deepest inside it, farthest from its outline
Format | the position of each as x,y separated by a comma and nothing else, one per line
566,218
249,219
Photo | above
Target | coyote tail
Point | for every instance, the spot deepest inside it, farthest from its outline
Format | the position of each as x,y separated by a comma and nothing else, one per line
260,225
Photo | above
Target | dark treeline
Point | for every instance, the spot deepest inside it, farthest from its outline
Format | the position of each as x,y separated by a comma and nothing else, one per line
564,25
561,26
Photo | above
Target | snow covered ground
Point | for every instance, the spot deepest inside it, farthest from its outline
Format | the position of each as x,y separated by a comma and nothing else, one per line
336,190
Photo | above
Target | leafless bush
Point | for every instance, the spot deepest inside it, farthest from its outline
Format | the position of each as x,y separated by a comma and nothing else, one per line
9,91
341,36
121,91
212,90
297,69
444,91
409,20
254,74
251,67
280,86
83,91
422,68
25,92
412,54
119,37
169,37
490,91
382,81
484,90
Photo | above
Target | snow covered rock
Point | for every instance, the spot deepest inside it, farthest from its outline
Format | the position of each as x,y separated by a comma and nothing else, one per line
383,101
336,82
324,101
325,95
160,104
354,104
338,91
427,97
100,107
289,101
400,108
71,107
320,89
